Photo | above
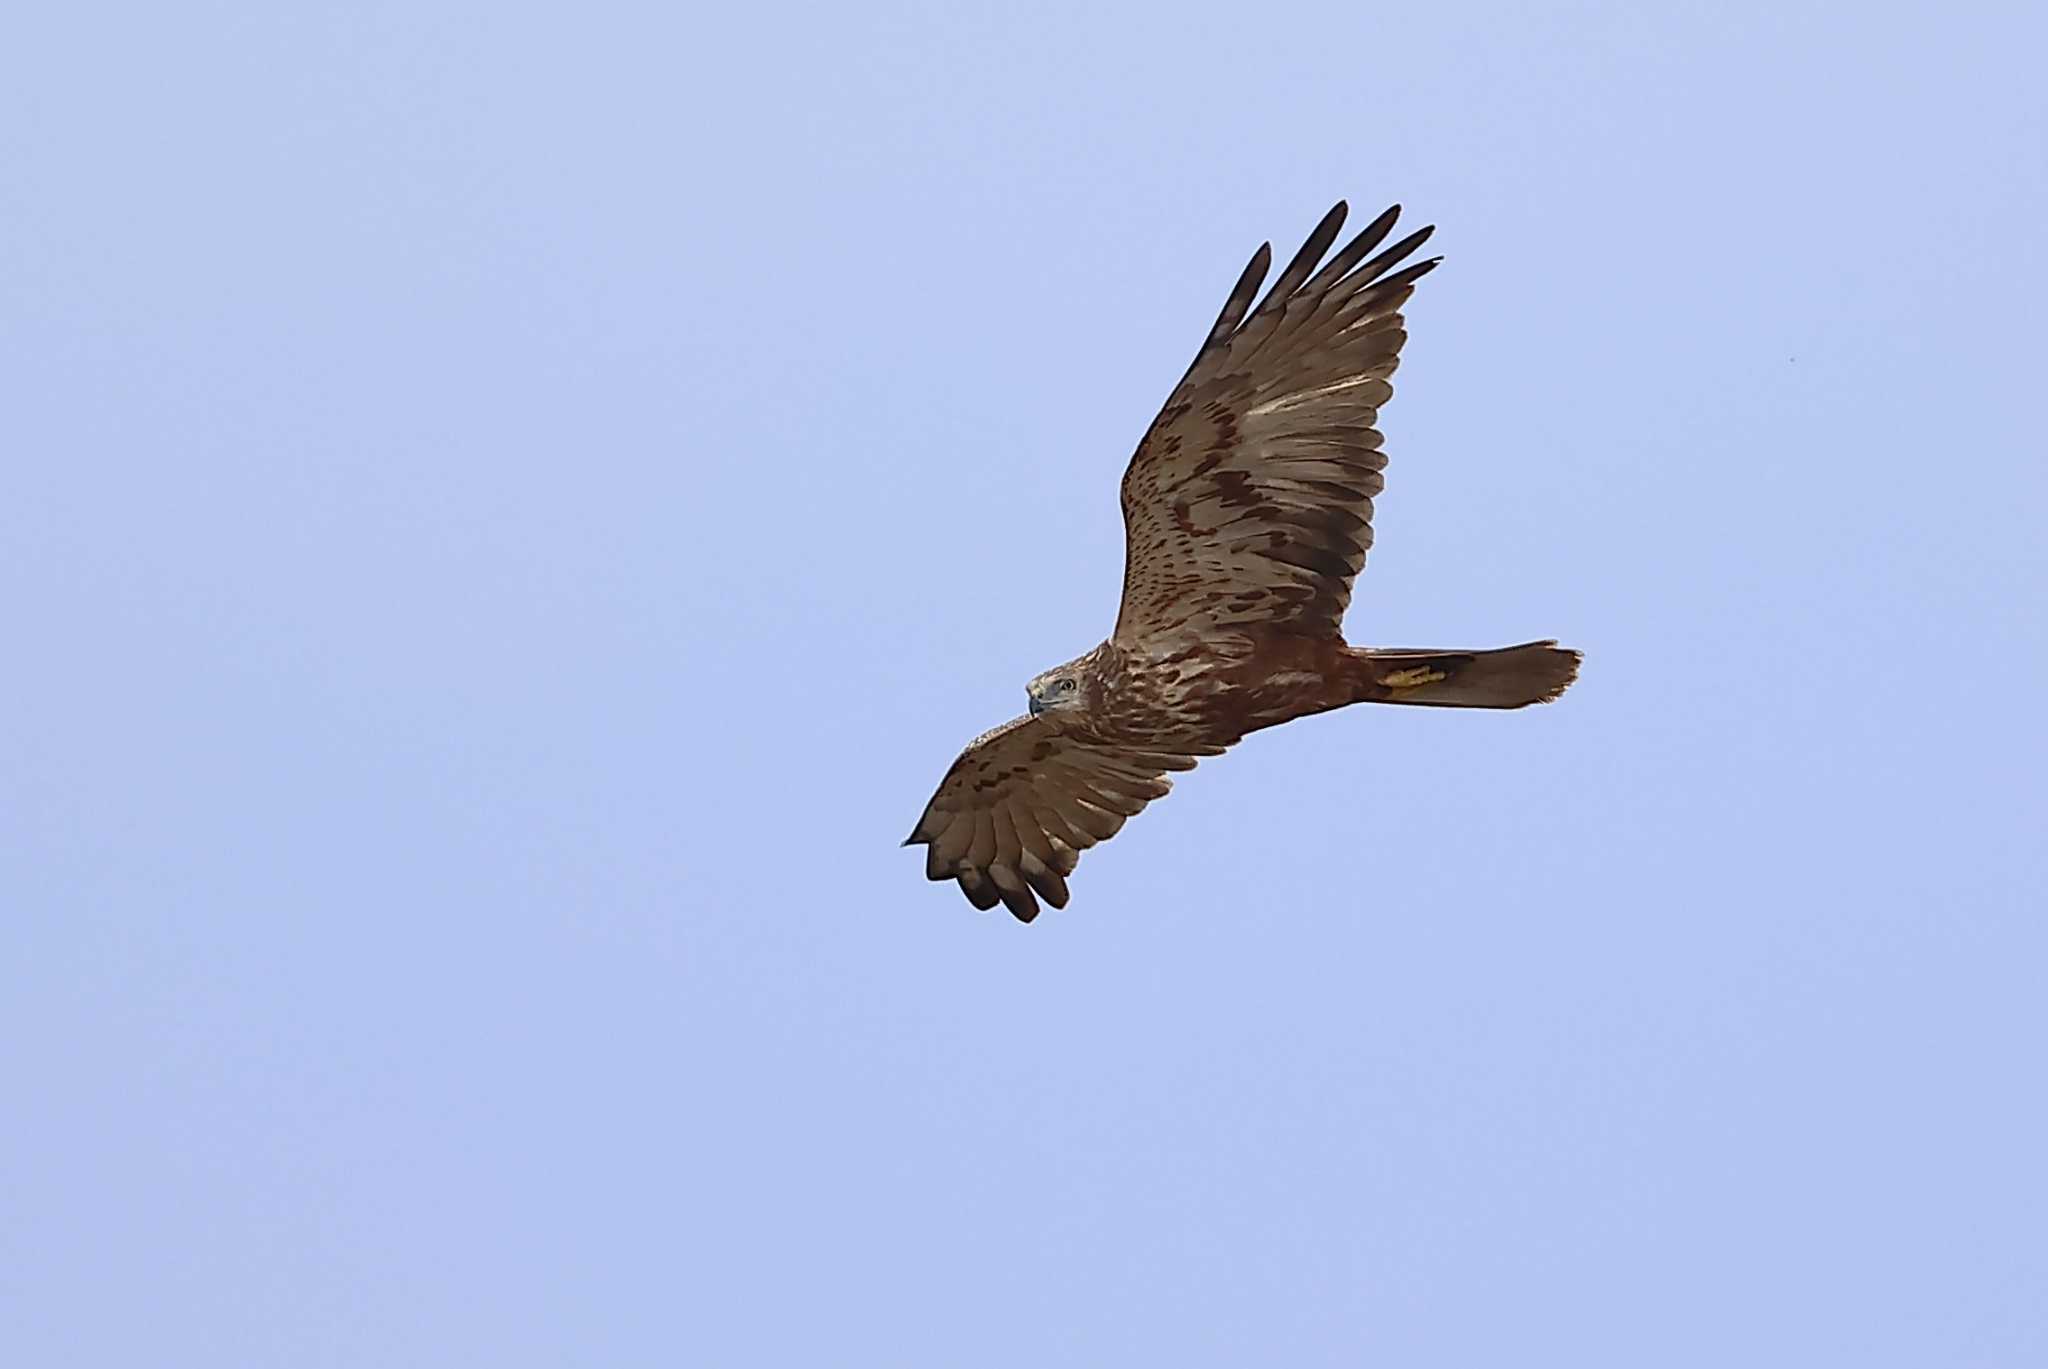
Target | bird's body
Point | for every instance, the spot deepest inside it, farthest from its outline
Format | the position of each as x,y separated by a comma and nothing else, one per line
1213,693
1247,513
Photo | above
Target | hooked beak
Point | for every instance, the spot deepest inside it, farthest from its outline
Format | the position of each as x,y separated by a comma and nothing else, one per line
1036,706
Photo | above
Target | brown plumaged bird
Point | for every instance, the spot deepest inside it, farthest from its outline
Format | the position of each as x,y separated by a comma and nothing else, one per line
1247,512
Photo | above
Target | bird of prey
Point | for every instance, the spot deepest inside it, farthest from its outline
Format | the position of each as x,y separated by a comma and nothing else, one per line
1247,512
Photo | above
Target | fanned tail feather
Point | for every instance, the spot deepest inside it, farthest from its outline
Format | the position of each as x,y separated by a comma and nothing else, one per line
1506,677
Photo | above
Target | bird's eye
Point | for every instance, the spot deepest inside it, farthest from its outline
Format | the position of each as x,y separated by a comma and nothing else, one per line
1066,686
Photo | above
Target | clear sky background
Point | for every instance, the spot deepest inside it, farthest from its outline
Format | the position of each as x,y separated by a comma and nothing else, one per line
509,511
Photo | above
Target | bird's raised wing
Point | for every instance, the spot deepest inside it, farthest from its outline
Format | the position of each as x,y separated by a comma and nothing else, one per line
1020,805
1250,498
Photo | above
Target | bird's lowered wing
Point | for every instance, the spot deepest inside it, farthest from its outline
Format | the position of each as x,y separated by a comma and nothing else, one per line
1022,802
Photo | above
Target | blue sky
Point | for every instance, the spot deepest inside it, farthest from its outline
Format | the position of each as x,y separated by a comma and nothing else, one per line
509,512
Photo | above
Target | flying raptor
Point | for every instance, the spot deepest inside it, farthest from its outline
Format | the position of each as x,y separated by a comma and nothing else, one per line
1247,513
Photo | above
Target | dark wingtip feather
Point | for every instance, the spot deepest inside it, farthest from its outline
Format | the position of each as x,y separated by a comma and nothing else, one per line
1348,255
1319,239
1405,277
1046,883
1239,302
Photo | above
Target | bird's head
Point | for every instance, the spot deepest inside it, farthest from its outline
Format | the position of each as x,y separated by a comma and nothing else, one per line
1061,688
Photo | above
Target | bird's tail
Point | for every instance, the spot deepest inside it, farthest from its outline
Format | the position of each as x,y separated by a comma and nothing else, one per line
1507,677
